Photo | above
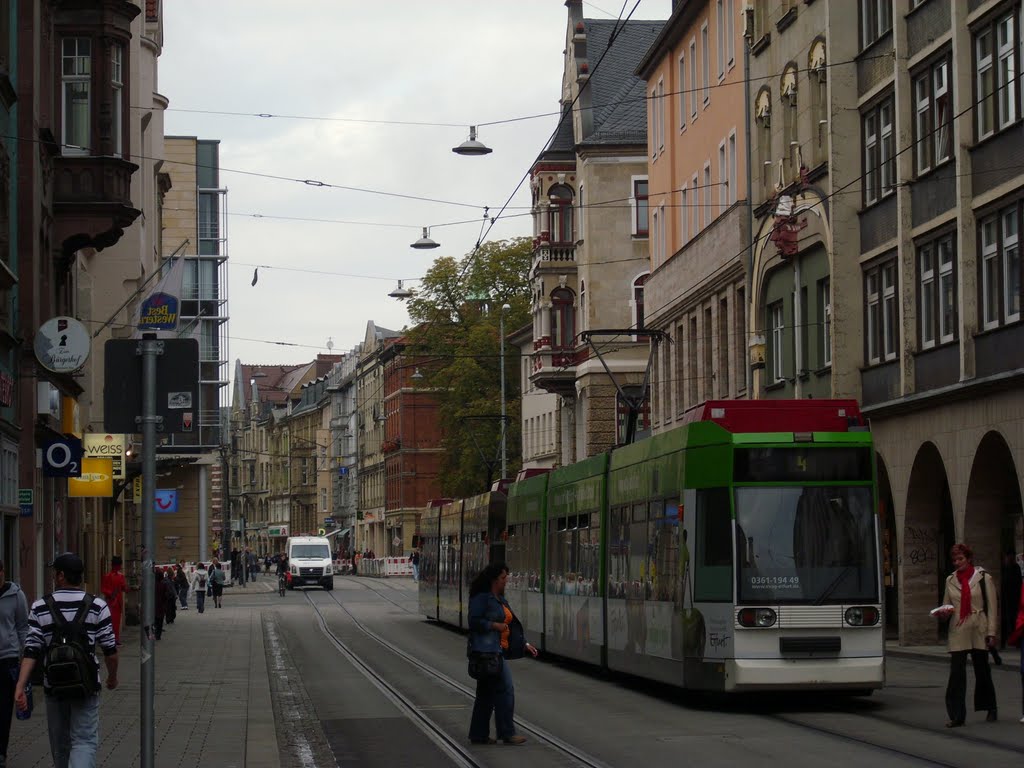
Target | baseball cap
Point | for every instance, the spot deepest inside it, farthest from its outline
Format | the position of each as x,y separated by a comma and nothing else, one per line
68,562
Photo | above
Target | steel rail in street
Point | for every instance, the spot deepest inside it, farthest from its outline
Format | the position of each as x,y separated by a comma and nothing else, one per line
538,733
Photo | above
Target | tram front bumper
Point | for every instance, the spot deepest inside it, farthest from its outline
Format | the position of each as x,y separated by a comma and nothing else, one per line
825,674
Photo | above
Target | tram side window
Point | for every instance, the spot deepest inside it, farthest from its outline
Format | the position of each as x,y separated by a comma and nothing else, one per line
618,552
713,577
665,549
639,585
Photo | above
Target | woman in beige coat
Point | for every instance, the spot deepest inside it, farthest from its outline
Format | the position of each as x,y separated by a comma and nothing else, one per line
972,630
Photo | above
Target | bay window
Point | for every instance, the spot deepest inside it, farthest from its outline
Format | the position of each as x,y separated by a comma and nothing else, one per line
76,85
560,214
563,331
117,87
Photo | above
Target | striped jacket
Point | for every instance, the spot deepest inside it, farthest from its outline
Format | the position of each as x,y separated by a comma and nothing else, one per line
97,623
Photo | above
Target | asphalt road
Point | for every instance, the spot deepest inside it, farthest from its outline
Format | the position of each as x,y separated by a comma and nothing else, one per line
343,698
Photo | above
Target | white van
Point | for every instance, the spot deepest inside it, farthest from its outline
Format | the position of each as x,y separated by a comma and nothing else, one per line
309,562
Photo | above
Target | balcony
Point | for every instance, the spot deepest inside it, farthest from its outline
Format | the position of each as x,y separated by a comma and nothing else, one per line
555,369
92,200
548,255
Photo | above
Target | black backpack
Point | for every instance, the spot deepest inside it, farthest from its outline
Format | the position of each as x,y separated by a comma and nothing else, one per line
71,669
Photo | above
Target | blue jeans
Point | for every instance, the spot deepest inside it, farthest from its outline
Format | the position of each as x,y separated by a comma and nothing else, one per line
74,731
498,696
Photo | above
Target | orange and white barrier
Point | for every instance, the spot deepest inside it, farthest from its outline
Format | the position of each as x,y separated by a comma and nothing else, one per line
383,567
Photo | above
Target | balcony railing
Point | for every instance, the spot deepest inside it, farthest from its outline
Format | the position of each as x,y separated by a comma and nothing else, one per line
554,252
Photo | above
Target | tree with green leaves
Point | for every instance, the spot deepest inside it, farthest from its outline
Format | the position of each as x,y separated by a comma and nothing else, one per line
455,340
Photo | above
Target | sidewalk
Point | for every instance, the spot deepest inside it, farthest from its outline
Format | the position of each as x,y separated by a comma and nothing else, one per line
212,694
1010,656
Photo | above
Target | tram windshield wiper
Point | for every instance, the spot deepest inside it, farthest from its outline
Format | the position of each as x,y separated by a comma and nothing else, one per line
834,585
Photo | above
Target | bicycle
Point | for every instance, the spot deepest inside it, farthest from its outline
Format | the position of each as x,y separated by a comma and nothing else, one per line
281,586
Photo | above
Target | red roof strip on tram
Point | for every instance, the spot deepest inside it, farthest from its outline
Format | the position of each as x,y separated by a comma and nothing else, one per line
740,416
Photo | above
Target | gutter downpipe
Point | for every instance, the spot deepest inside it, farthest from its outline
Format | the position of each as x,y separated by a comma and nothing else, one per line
748,373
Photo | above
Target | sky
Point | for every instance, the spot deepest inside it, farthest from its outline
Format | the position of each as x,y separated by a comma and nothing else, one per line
460,62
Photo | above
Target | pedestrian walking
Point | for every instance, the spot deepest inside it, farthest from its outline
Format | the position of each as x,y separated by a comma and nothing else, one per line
63,630
217,584
1016,638
200,582
495,637
414,558
1010,584
159,603
13,632
181,586
973,606
266,565
113,586
236,560
171,596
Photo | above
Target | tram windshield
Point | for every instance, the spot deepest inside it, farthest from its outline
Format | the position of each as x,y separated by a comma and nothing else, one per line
806,545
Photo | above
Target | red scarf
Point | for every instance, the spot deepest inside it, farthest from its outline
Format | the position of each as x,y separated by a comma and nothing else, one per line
964,577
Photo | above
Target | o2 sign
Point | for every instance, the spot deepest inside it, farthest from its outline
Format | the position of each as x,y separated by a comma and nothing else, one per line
63,458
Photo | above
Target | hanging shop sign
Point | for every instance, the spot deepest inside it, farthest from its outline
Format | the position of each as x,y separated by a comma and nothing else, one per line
62,345
107,446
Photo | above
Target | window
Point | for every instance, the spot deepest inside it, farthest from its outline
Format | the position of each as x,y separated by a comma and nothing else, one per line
684,216
723,177
733,192
723,348
713,565
117,86
654,123
560,214
705,60
933,120
638,300
762,118
693,80
1001,267
825,313
730,30
937,299
741,340
641,223
817,82
691,359
880,291
663,251
875,20
563,332
709,358
879,152
790,142
659,116
655,243
776,327
682,92
706,210
995,66
323,499
76,76
695,186
583,305
720,29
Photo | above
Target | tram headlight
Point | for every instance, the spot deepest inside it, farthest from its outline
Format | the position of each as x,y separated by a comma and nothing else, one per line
858,616
762,618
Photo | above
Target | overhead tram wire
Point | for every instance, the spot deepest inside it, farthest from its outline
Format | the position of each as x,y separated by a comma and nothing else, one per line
508,120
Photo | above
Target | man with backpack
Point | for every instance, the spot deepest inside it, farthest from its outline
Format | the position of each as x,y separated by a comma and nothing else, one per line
63,629
199,581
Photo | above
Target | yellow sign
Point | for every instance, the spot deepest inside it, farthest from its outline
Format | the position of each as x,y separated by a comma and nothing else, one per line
70,417
103,446
97,480
137,489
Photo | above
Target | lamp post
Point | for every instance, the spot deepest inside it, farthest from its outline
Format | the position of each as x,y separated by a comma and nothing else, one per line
504,414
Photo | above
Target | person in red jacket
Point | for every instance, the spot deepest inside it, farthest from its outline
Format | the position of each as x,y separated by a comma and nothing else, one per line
1016,638
113,588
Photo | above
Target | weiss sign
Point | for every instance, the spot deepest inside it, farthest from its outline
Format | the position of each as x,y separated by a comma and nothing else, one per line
101,446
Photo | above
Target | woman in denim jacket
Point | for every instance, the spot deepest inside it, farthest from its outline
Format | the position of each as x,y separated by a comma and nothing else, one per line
493,628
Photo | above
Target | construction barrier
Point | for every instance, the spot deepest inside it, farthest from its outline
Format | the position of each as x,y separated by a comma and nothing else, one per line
382,567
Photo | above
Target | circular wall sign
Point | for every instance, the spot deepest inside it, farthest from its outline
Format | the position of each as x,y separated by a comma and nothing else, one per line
62,345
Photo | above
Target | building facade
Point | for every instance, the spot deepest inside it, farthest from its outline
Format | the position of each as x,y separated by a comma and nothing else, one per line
887,263
344,431
590,237
699,218
370,517
540,410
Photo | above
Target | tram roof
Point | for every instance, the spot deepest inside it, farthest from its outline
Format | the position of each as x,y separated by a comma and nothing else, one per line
740,416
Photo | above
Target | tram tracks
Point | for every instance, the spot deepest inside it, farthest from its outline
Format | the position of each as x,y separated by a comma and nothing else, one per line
791,719
449,744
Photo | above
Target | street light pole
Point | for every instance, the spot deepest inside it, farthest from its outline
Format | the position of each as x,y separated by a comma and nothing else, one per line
504,414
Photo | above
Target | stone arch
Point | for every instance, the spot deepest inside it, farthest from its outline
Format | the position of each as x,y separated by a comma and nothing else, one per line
890,559
992,514
928,533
